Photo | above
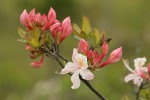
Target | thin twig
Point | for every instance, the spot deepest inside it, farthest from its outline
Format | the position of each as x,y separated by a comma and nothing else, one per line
138,92
63,58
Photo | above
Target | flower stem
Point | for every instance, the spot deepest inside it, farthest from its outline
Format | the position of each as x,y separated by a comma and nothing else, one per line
138,92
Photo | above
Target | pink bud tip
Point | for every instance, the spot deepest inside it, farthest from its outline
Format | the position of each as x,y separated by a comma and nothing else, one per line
24,17
38,64
83,46
51,14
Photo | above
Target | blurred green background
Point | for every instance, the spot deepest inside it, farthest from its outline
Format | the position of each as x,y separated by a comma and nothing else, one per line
127,22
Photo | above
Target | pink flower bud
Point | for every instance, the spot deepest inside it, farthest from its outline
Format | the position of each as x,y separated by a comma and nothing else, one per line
114,57
51,14
66,28
32,17
51,19
55,28
83,46
38,64
104,49
24,18
149,69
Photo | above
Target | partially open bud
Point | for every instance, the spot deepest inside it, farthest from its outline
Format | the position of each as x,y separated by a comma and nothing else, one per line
83,46
114,57
38,64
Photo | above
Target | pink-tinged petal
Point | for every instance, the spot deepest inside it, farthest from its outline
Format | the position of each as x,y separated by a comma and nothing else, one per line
69,68
86,74
139,62
126,63
51,15
83,46
24,18
141,73
104,49
130,77
38,64
149,69
75,80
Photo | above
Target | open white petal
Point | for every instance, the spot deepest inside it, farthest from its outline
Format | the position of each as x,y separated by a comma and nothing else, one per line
74,54
75,80
137,81
126,63
69,68
86,74
139,62
130,77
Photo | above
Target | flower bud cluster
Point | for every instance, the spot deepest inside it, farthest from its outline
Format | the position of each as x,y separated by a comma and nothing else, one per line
38,26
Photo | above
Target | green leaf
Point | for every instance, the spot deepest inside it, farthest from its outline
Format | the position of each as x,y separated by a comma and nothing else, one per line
21,32
76,28
22,40
97,36
34,43
86,26
125,97
36,33
83,35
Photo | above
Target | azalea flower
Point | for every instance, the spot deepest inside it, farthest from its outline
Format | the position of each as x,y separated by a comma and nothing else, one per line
77,67
138,74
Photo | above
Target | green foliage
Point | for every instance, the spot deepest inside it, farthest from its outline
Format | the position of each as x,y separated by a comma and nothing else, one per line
86,26
87,33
